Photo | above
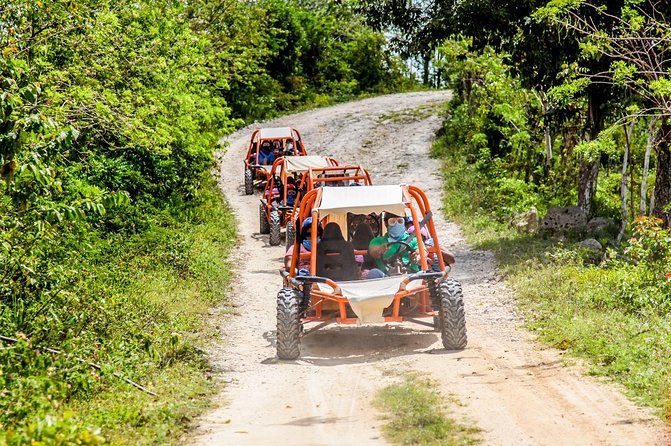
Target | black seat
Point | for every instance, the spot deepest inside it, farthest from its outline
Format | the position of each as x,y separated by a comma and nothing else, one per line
363,234
335,255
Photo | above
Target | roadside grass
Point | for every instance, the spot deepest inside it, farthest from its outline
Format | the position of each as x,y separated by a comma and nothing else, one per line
140,309
415,413
172,275
603,311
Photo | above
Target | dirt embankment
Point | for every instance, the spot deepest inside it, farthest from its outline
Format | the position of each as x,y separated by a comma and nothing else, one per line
518,392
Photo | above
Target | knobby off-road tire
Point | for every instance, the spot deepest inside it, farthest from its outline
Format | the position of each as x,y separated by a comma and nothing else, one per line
249,181
275,220
290,234
288,324
264,226
452,317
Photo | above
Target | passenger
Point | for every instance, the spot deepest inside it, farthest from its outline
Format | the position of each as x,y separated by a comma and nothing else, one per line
448,257
266,155
277,148
289,148
361,238
291,194
305,247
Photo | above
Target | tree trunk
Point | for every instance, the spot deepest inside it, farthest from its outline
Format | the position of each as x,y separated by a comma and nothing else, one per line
570,137
623,185
548,144
589,169
426,68
663,177
652,137
587,177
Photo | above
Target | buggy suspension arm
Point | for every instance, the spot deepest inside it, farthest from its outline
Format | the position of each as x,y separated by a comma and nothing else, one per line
422,275
299,280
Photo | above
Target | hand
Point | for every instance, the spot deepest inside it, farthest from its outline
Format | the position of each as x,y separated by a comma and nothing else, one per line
377,252
414,257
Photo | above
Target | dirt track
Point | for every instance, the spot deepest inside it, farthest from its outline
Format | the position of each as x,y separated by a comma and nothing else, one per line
516,391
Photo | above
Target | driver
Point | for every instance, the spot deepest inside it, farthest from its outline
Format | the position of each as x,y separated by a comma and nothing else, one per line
384,249
289,148
266,155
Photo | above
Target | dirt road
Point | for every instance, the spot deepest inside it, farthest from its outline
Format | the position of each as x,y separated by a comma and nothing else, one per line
516,391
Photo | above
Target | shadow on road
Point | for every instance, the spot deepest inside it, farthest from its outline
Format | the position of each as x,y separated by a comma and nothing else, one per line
359,345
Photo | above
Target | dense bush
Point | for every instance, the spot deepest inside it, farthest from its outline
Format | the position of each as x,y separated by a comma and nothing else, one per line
490,126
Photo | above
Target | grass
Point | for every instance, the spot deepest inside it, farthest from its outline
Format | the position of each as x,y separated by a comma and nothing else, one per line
415,415
141,311
179,270
606,313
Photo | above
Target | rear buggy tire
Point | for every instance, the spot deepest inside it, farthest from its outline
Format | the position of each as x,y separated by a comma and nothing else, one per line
452,316
288,324
264,225
275,223
290,233
249,181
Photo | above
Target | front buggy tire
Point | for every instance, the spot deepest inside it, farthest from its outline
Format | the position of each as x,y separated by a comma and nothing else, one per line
264,225
452,315
288,324
249,181
275,223
290,233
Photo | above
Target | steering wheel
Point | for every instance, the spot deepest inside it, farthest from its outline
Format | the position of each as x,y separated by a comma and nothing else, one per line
396,260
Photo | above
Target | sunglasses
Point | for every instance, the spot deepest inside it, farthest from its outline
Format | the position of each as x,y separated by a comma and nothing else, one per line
395,220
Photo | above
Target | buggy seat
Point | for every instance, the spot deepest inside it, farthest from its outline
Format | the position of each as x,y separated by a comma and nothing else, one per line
335,255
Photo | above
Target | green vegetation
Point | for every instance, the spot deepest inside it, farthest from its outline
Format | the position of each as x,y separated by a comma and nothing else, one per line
415,415
611,309
554,104
113,237
135,305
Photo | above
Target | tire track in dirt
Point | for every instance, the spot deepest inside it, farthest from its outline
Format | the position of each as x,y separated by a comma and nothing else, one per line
515,390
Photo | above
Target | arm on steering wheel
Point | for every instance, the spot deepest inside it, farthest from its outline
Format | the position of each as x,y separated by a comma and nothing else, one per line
398,255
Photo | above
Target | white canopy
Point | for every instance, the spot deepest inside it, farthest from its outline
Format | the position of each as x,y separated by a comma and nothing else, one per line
275,133
303,163
362,200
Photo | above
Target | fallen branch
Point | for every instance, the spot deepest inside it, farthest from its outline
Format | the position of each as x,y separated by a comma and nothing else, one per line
83,361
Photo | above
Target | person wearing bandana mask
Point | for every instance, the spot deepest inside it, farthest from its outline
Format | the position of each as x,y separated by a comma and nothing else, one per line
306,247
383,248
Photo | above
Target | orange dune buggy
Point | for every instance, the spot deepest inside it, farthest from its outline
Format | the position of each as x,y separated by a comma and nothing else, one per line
281,193
265,146
329,291
335,176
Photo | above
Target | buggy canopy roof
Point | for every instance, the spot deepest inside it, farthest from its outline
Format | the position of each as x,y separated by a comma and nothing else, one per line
275,133
363,199
303,163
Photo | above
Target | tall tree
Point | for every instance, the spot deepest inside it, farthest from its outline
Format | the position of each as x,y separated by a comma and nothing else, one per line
540,54
635,46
